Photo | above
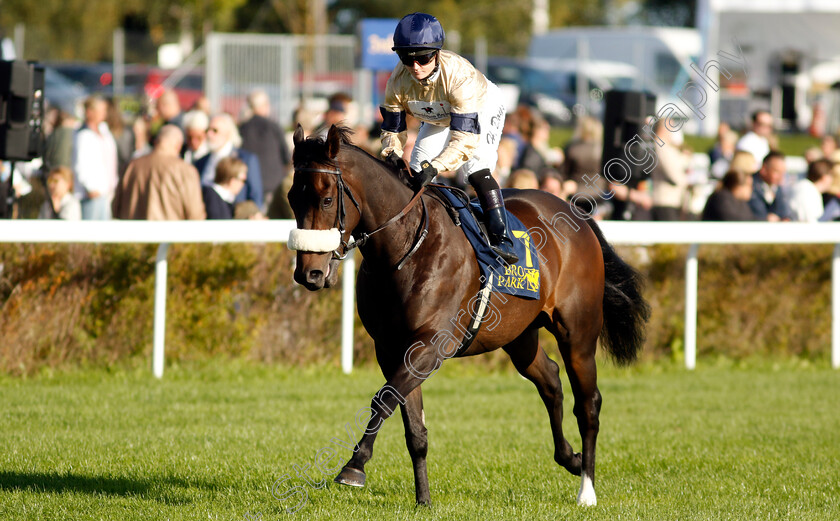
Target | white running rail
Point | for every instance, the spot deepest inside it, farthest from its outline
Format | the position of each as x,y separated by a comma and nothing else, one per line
618,233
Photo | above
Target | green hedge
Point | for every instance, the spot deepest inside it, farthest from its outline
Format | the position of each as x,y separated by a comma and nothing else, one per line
71,305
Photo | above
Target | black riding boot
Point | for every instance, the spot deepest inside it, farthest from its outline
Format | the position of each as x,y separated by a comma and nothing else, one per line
495,217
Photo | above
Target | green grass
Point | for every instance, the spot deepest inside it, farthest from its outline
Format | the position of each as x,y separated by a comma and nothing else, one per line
726,441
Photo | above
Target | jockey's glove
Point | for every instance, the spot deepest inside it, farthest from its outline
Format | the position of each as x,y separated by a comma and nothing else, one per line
425,175
393,159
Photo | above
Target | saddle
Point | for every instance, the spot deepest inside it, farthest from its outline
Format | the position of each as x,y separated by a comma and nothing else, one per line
521,279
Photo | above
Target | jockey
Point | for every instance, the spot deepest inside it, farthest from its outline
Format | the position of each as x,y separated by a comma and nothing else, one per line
461,113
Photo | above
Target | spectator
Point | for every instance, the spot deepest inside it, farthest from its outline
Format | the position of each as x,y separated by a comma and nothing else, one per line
266,139
169,109
768,201
669,177
717,151
506,159
230,179
730,201
224,140
140,129
248,210
512,130
60,202
831,199
160,186
806,201
583,157
828,146
5,209
811,154
59,149
523,178
336,114
201,104
744,161
537,155
123,136
757,140
725,152
552,183
195,129
95,161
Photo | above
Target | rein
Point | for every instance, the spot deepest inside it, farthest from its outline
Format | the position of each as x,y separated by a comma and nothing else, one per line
420,236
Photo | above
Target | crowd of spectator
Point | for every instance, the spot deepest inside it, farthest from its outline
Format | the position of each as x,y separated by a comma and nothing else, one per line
172,164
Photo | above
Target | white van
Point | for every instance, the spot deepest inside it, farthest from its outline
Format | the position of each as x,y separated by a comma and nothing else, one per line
662,55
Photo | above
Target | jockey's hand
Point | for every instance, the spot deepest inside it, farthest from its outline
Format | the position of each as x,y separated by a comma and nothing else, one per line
425,175
393,159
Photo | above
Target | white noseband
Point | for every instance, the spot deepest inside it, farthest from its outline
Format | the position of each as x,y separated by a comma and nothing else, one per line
321,241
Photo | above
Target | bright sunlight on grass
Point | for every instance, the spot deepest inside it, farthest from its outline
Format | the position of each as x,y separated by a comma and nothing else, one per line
719,443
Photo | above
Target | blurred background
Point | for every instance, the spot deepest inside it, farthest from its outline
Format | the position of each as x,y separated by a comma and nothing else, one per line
557,61
551,54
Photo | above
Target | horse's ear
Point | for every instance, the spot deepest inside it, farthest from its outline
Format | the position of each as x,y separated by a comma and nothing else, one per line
333,142
297,138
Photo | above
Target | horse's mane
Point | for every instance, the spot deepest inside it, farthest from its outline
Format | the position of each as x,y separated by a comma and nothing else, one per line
314,150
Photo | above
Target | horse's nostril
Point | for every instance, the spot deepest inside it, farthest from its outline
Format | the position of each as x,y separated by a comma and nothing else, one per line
314,276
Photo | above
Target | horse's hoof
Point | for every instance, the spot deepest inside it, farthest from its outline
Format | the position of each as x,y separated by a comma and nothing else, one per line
586,496
574,464
351,477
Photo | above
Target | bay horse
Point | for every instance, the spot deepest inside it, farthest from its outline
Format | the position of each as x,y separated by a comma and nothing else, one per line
586,292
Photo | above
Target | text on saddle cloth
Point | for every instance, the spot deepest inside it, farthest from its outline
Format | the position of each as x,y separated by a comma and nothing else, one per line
521,279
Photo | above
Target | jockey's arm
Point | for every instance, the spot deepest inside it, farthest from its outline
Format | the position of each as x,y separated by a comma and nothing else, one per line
394,133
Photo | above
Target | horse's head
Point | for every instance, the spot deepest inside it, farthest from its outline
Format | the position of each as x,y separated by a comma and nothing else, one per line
319,199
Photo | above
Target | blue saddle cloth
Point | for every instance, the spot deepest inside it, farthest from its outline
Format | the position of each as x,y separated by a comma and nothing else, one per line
521,279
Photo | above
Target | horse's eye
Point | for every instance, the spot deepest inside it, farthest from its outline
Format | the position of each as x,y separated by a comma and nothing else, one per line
328,201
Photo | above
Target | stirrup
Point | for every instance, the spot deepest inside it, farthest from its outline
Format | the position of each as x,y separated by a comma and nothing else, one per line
505,250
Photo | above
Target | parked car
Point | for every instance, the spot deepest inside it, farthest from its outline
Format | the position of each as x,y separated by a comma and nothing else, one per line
141,82
62,92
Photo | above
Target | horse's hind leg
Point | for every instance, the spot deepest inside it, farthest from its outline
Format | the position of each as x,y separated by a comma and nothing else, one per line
416,439
579,358
532,363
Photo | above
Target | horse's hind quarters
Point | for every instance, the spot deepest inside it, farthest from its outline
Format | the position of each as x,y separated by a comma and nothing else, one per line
586,496
351,477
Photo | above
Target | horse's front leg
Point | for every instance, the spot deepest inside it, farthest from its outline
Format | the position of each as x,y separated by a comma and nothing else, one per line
414,421
420,363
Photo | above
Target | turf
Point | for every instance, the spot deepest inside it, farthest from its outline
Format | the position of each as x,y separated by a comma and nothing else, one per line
723,442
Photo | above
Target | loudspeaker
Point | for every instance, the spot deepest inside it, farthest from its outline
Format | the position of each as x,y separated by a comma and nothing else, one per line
21,110
624,117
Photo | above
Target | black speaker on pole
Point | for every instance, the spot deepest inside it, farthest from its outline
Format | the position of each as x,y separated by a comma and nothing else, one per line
624,116
625,113
21,110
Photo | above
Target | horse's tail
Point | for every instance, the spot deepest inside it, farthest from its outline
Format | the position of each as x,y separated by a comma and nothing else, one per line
625,310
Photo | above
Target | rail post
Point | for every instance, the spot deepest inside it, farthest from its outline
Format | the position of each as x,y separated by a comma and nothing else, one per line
160,310
691,279
835,308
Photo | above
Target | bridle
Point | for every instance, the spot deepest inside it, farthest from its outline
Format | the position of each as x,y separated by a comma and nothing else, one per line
341,212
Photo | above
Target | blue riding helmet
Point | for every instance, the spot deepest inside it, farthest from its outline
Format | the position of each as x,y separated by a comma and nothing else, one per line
418,32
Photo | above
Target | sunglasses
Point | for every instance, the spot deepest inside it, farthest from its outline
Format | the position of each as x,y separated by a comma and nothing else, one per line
422,59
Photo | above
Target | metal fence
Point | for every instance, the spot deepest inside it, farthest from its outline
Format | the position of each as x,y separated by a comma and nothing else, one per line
288,68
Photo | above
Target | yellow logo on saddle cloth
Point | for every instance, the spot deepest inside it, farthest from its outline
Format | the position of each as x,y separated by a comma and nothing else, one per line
519,276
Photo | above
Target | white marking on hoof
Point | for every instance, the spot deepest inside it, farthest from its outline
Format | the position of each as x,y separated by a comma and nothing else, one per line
586,496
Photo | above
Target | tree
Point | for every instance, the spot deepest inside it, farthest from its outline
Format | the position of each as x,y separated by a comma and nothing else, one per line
83,29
